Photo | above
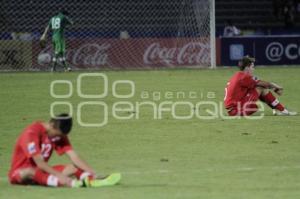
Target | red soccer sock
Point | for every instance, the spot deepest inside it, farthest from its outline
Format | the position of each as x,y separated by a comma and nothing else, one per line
81,174
45,179
272,101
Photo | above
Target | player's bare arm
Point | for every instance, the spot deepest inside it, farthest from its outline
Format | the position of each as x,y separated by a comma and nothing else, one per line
44,35
270,85
43,39
78,162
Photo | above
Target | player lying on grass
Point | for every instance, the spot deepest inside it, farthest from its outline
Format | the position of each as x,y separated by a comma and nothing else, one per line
33,149
57,25
244,90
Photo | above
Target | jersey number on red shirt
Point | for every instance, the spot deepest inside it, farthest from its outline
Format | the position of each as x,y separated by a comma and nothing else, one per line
46,150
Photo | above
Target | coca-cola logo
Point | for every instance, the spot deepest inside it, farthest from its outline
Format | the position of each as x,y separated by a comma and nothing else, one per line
191,53
90,54
86,55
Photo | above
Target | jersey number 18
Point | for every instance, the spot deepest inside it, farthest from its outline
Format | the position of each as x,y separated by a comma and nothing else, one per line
55,23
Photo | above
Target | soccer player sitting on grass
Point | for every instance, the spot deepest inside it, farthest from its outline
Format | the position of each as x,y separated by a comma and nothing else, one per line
57,24
244,90
33,149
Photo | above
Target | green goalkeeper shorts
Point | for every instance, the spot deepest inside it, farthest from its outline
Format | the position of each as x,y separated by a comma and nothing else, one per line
59,46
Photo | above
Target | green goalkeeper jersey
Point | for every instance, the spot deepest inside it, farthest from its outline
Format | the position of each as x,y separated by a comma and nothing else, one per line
57,25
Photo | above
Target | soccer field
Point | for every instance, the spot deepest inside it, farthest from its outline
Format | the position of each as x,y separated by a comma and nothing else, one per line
163,158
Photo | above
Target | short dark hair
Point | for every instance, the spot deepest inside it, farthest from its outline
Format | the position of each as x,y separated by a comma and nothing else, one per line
64,12
245,62
63,122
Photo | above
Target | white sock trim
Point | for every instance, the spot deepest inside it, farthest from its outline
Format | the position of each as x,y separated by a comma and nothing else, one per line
84,175
52,181
275,103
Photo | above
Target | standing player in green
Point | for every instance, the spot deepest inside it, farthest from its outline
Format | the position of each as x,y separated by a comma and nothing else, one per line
57,25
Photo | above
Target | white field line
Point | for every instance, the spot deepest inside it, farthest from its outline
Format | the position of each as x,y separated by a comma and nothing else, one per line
240,169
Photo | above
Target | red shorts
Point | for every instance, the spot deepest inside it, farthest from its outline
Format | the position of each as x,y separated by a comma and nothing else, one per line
15,177
247,105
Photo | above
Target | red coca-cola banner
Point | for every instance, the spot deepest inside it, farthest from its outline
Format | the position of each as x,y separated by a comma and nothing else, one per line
131,53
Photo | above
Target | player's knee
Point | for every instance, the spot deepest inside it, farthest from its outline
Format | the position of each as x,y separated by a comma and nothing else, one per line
27,173
259,90
70,169
262,91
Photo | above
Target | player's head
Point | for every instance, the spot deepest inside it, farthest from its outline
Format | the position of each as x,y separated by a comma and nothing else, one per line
61,124
246,62
64,12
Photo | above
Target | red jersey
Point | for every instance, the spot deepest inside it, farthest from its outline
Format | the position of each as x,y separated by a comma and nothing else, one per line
34,140
238,87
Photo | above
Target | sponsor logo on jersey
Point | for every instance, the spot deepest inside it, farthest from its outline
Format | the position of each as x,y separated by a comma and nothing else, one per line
31,148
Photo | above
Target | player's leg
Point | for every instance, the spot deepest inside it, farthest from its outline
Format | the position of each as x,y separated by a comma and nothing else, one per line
233,111
87,178
71,170
246,106
37,176
267,97
22,176
63,55
67,170
56,47
248,103
29,176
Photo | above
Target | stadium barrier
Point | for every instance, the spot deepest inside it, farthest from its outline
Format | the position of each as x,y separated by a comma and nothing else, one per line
116,34
129,53
268,50
15,54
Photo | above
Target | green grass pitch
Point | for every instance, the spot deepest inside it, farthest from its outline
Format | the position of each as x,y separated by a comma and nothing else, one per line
162,158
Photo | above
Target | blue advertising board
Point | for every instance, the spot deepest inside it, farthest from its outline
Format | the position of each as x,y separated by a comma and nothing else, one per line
270,50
